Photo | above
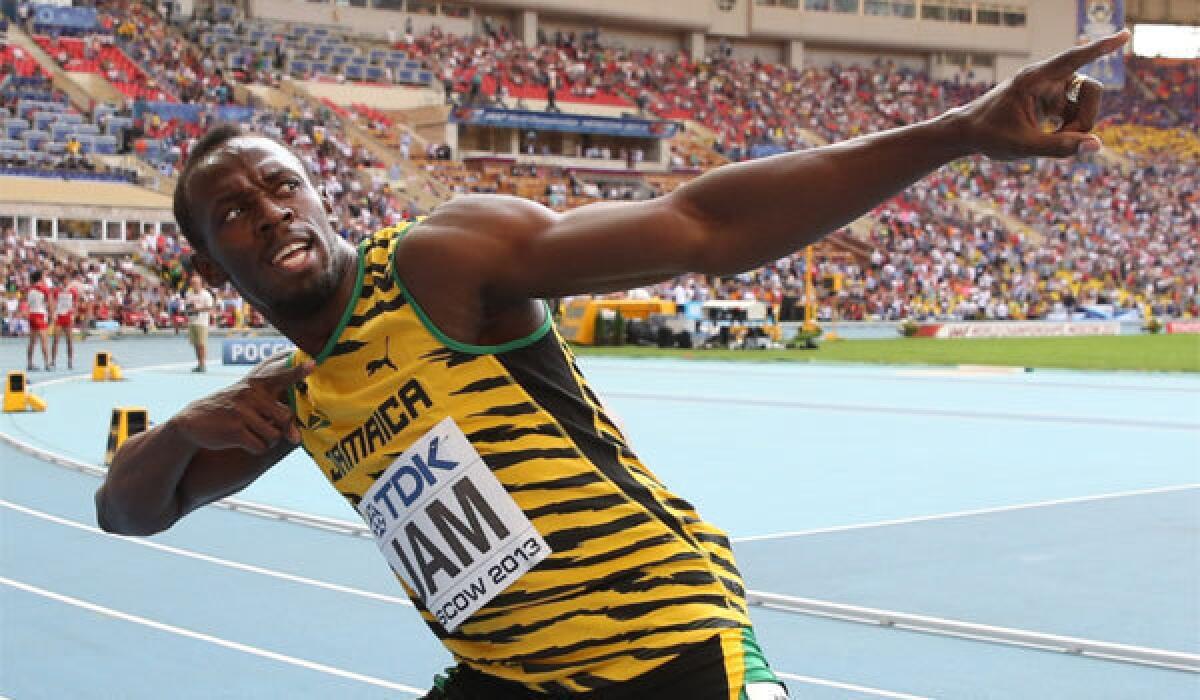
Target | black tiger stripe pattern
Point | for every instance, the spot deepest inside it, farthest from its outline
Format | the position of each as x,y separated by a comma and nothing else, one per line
635,576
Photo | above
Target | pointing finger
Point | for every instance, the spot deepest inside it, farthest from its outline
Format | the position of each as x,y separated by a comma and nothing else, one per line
1071,60
280,376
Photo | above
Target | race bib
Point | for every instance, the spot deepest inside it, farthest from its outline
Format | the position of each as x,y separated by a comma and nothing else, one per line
447,526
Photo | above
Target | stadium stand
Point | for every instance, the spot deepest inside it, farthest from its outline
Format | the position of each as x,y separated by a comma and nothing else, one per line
974,240
90,55
41,134
307,52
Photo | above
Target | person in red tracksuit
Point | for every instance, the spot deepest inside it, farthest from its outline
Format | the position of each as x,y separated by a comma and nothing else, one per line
66,301
37,299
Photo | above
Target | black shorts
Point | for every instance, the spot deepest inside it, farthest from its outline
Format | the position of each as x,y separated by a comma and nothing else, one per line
698,674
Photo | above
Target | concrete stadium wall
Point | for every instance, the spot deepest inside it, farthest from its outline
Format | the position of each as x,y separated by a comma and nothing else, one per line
660,14
748,50
772,33
1164,11
825,57
355,20
1054,27
615,35
385,98
52,192
886,32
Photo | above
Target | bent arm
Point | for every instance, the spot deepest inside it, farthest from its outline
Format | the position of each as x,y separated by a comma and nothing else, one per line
159,476
214,447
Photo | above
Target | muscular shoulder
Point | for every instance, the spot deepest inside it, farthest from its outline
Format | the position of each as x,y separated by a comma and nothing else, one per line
484,215
450,261
471,232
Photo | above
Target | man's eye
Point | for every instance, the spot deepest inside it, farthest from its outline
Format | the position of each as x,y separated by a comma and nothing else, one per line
289,186
232,214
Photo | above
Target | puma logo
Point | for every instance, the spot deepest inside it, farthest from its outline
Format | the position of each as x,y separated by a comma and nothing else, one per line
375,365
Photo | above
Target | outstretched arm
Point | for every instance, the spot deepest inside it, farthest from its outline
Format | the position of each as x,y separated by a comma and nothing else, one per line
739,216
214,447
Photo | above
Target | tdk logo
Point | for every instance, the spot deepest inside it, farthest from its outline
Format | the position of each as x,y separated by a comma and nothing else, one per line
408,481
448,527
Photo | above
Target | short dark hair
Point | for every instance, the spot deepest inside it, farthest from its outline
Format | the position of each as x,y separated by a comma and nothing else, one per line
215,138
35,276
211,141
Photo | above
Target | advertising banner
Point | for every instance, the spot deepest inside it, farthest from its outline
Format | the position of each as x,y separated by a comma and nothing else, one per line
1026,329
1097,19
251,351
572,123
1175,327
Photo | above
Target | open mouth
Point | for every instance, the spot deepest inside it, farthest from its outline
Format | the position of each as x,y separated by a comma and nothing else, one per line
293,256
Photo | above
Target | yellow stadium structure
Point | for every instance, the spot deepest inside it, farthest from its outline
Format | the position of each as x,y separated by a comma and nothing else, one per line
578,324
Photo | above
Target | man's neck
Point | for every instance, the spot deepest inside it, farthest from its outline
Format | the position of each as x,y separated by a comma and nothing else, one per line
313,332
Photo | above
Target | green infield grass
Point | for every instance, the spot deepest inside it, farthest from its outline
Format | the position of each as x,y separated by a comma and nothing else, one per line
1170,353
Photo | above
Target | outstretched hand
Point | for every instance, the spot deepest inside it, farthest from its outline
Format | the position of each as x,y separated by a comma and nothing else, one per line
1007,122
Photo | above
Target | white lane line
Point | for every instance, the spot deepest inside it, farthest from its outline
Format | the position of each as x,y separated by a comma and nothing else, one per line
912,411
968,513
849,686
218,641
880,373
206,557
84,375
333,587
318,522
992,634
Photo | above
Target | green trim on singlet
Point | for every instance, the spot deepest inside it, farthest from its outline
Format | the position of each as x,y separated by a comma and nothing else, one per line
350,304
539,333
754,662
291,361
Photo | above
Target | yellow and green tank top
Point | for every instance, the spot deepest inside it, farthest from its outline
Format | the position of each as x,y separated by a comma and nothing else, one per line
531,538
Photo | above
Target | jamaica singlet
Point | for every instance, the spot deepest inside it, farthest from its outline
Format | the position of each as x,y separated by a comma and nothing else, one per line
535,544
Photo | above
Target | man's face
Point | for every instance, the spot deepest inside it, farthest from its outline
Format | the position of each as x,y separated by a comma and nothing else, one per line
265,227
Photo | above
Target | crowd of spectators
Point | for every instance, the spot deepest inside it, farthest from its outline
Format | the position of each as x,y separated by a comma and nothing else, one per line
746,103
1098,243
1091,237
143,291
171,60
1098,239
111,289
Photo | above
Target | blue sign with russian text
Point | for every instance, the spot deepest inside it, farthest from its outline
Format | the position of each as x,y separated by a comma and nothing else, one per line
572,123
246,351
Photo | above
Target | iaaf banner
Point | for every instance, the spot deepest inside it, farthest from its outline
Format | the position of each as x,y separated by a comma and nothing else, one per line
1097,19
1018,329
553,121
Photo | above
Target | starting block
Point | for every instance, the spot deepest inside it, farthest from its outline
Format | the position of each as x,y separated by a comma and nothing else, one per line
17,397
104,368
126,422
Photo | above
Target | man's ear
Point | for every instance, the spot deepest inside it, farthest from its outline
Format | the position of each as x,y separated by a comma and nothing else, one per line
208,269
